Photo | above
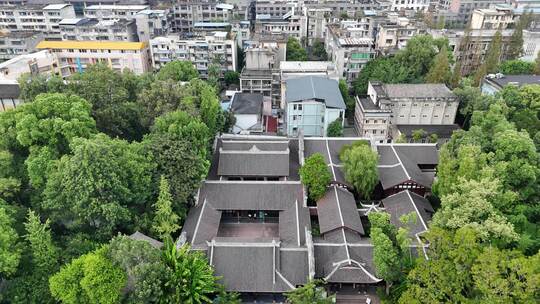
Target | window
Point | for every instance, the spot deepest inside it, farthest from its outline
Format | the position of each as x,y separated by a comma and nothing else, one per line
374,131
294,117
299,107
294,107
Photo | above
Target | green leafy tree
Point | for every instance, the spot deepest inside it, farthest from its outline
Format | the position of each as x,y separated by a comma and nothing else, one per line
456,75
515,46
145,271
312,292
164,96
10,252
165,220
214,74
360,168
295,52
315,176
318,51
440,70
516,67
103,186
493,54
349,100
418,135
385,69
402,138
33,85
506,276
44,253
472,205
103,88
446,276
433,138
172,155
335,128
177,71
181,125
91,278
192,279
231,77
225,297
391,253
537,64
47,126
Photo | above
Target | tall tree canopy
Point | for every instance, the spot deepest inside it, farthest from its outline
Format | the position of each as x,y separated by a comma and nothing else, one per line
409,65
295,51
177,70
360,168
315,176
109,180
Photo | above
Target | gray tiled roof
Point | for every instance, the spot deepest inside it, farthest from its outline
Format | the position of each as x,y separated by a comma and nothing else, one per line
406,202
251,195
314,87
247,103
142,237
248,269
337,209
9,90
253,162
515,79
398,163
422,90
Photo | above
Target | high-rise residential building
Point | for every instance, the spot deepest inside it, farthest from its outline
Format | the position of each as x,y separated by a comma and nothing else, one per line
75,56
217,47
42,18
15,43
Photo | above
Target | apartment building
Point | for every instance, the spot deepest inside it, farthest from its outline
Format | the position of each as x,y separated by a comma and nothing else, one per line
291,26
15,43
416,5
465,8
498,17
340,7
276,8
349,47
87,29
395,32
42,18
371,121
189,12
473,54
261,72
74,56
42,62
314,22
153,23
415,104
311,104
113,11
201,51
242,31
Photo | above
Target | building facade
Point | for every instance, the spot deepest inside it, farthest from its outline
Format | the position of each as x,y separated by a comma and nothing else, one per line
188,12
201,51
498,17
15,43
42,18
349,48
311,103
371,121
87,29
415,104
75,56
